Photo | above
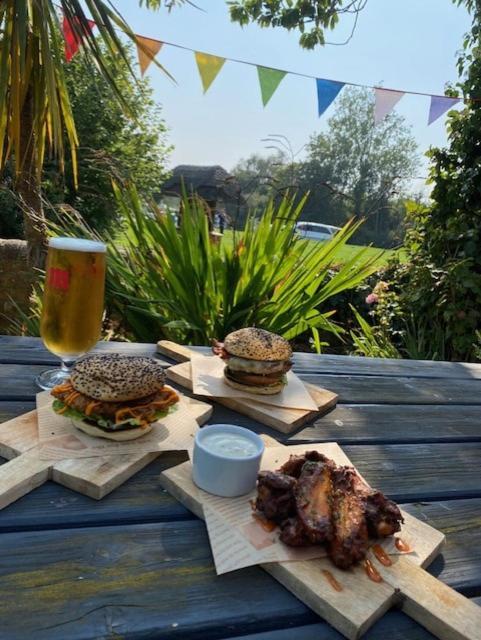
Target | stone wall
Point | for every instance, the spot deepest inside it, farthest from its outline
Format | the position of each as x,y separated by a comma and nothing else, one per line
15,280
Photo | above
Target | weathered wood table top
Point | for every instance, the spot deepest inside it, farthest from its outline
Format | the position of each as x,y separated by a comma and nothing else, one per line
138,565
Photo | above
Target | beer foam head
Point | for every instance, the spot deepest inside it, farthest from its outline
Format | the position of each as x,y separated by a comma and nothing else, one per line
77,244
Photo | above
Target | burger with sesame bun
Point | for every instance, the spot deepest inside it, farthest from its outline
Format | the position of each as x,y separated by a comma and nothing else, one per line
114,397
256,360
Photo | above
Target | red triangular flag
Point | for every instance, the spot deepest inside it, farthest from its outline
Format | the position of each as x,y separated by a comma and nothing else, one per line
72,40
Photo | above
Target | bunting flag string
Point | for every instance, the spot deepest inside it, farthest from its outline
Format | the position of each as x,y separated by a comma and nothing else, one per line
209,66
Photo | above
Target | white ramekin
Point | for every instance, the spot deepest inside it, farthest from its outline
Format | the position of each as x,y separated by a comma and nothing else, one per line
222,475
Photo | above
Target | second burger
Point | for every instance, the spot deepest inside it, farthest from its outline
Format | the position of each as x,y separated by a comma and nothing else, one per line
256,360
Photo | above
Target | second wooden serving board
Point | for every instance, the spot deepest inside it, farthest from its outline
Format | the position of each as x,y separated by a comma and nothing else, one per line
278,418
352,611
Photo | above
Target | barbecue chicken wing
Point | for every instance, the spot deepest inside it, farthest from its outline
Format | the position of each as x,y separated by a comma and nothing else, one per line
350,538
293,533
293,466
382,515
316,502
313,500
275,497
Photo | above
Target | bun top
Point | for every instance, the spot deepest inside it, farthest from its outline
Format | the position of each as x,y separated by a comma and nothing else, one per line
117,378
257,344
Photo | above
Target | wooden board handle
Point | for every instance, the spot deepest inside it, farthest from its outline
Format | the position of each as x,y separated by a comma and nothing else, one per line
443,611
177,352
20,476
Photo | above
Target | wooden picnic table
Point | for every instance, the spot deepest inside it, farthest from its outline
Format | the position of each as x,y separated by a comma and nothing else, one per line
138,565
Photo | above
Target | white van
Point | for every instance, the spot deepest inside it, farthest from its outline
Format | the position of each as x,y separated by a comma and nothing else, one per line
316,231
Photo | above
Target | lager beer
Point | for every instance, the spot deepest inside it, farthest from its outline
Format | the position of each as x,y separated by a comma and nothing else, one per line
73,301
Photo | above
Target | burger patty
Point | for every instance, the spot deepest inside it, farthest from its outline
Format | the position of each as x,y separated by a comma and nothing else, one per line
249,365
252,379
143,407
258,367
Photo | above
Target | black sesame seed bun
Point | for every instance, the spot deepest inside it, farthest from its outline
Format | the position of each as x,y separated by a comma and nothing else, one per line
121,435
257,344
117,378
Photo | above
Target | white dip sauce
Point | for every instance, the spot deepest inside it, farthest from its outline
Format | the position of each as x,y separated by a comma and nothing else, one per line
230,445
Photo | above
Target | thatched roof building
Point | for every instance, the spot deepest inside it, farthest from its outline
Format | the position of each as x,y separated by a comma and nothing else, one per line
210,183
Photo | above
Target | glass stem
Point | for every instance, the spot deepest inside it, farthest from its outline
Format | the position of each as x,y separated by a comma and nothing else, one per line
65,367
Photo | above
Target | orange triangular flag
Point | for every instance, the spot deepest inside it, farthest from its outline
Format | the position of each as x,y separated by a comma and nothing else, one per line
147,49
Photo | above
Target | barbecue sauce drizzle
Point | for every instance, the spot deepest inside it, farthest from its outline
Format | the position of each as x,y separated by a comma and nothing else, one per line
332,580
402,546
371,571
381,555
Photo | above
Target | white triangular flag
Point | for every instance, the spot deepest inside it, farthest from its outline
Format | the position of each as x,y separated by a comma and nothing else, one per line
386,100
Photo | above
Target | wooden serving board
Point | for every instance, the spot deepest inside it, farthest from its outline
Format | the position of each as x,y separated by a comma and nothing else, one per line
94,477
352,611
279,418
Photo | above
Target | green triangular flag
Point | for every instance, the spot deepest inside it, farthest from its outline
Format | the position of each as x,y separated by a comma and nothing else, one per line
209,66
269,79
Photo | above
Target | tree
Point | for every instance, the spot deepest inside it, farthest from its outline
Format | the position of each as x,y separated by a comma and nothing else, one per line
261,178
35,108
113,145
357,168
310,17
354,169
439,288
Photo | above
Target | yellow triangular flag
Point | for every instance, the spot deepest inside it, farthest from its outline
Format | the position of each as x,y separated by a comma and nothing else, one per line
147,49
209,66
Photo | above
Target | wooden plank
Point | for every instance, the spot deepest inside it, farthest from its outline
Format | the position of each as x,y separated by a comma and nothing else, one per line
130,582
151,581
139,499
420,471
11,408
460,520
394,625
20,476
360,365
437,607
353,424
384,390
361,602
30,350
377,424
16,349
17,381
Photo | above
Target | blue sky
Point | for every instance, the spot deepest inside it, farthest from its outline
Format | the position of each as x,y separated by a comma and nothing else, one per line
402,44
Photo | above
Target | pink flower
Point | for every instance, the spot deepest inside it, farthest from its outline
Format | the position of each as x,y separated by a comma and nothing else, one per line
372,298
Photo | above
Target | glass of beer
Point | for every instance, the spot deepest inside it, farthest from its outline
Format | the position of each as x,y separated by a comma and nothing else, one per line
73,302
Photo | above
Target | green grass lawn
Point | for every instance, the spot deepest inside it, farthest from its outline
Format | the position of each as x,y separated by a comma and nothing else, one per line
345,252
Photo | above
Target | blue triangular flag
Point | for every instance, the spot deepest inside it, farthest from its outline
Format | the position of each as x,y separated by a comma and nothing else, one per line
439,105
327,91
